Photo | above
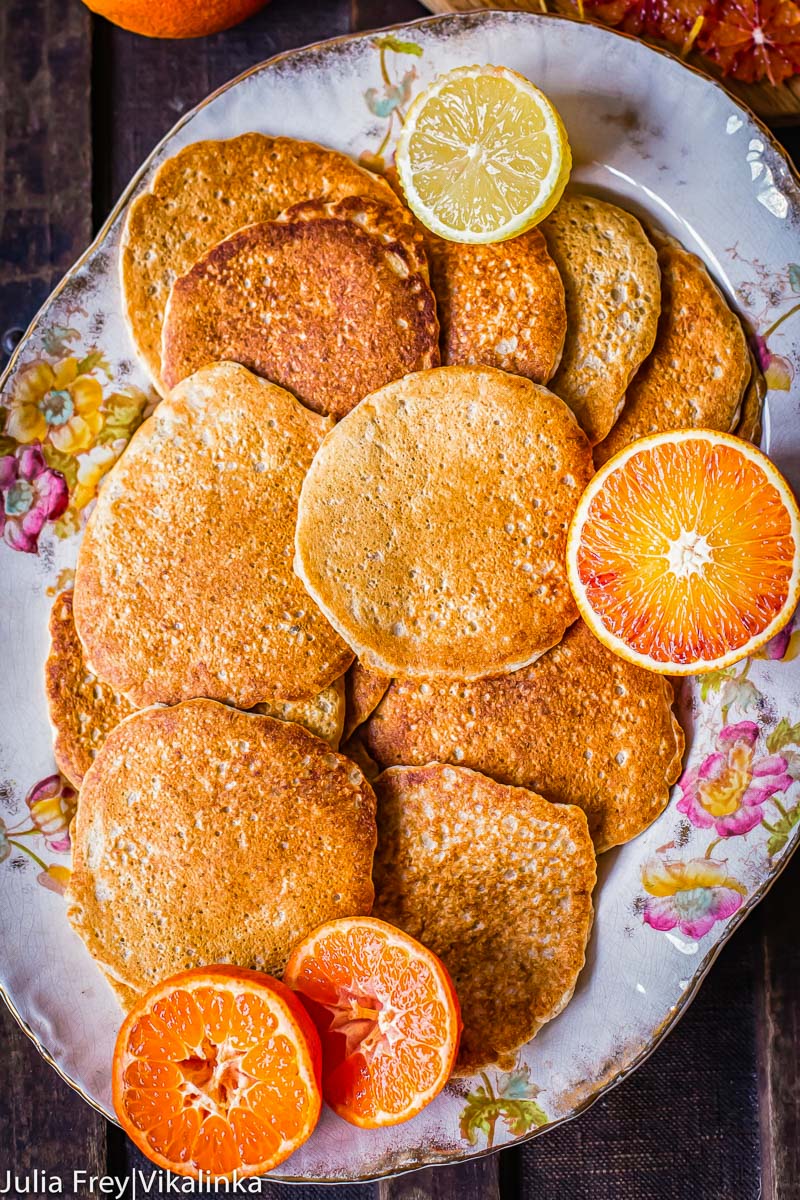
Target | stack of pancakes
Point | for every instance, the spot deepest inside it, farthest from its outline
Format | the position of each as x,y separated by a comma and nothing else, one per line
322,535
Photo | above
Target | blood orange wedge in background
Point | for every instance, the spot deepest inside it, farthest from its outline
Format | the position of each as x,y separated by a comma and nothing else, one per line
387,1014
217,1070
684,552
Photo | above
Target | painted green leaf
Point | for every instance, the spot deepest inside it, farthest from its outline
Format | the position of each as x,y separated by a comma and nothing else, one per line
794,276
713,681
57,338
389,42
65,463
511,1101
7,445
96,358
782,735
123,415
781,829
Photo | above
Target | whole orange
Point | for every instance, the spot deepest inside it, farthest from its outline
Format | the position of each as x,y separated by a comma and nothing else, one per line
175,18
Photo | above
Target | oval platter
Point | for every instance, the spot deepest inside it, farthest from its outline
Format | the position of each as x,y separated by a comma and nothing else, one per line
671,145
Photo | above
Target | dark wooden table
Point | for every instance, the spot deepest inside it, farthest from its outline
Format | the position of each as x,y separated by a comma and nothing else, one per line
715,1113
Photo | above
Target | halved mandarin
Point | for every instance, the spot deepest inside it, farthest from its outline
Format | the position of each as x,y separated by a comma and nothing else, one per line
217,1069
684,552
387,1014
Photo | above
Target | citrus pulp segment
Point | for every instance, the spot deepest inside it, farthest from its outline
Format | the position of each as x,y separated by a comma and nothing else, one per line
387,1014
483,155
684,552
217,1070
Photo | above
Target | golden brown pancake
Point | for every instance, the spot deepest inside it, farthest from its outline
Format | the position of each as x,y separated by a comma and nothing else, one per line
331,301
363,690
749,425
207,835
83,709
322,715
699,368
501,305
611,280
581,726
497,882
432,523
184,584
204,193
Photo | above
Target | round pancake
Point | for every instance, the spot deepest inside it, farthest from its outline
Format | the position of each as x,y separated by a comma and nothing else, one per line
501,305
498,883
611,279
330,301
363,691
580,726
83,709
432,524
323,714
204,193
699,369
184,585
207,835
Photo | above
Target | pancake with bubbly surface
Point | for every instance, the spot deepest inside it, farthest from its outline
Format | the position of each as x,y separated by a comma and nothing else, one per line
496,881
363,691
83,709
184,585
580,726
330,301
501,305
611,279
432,524
322,714
207,191
208,835
699,368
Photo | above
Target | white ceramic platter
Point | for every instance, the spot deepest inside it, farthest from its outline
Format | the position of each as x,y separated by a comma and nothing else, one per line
664,141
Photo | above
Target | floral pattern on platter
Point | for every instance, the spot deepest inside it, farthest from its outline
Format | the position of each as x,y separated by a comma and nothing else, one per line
61,429
389,101
762,295
51,805
735,789
510,1100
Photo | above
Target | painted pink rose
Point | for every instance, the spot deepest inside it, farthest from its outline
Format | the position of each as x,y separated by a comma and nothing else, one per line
52,804
785,644
31,493
689,896
729,788
778,371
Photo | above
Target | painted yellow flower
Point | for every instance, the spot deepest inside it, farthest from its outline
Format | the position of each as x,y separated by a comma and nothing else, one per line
92,466
55,403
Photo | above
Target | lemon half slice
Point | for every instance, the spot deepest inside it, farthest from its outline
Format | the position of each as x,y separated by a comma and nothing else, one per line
483,155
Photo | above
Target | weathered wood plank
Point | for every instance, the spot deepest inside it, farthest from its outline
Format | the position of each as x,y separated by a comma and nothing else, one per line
143,86
778,1034
43,1123
45,149
477,1180
371,14
685,1125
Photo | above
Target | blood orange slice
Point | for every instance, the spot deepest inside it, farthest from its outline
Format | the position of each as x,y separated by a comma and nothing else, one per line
387,1014
684,552
217,1070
